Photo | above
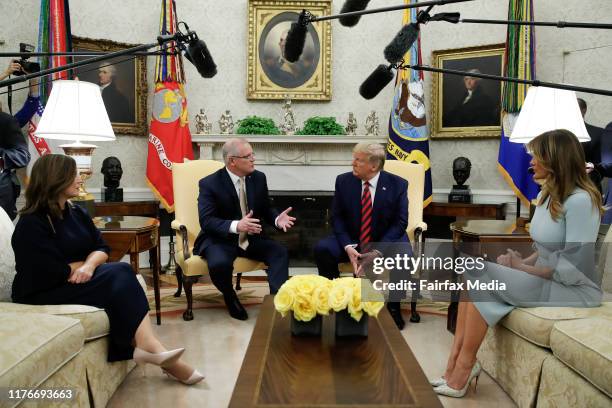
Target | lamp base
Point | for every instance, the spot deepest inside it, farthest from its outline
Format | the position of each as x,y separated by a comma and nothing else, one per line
81,153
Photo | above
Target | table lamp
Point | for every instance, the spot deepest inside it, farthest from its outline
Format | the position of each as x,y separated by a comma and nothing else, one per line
75,111
547,109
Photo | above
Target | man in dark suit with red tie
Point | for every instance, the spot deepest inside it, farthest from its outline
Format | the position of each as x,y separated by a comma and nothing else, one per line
231,203
370,206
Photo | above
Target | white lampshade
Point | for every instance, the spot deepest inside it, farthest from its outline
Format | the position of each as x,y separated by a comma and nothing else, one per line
548,109
75,111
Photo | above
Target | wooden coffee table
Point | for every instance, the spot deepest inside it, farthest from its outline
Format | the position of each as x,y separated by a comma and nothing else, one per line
281,370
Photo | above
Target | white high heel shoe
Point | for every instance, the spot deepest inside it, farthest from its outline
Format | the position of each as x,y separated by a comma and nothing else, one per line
194,378
142,357
436,382
444,389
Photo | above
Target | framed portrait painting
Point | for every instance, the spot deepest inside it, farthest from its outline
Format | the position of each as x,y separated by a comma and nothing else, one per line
269,74
467,106
122,81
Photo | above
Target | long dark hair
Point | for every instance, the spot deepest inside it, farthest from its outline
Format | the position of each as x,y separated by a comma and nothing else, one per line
560,153
51,175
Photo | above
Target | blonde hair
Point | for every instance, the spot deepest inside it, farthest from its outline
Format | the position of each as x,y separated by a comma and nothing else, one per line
374,151
560,154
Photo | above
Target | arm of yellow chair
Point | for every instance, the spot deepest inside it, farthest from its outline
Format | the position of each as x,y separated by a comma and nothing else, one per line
178,226
422,225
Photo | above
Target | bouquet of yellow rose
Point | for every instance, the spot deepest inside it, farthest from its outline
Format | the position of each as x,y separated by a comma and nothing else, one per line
346,293
309,295
305,296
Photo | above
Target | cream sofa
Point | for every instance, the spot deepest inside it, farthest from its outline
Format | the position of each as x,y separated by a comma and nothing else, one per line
53,347
555,357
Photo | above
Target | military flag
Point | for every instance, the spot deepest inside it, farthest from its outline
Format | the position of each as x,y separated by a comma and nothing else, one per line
513,159
169,135
408,132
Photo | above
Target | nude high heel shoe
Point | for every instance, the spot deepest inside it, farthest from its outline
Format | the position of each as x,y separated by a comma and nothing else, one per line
142,357
436,382
444,389
194,378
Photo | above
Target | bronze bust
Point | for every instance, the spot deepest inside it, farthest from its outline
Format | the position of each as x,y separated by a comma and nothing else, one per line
111,168
461,172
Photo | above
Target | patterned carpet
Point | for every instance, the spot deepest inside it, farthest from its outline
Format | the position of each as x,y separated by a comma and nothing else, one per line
206,295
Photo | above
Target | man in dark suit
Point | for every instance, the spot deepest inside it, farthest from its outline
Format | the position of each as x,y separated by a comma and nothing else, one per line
231,203
370,206
475,107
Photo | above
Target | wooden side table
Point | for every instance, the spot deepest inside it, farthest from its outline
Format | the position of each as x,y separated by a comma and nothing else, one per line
133,235
148,208
486,238
439,216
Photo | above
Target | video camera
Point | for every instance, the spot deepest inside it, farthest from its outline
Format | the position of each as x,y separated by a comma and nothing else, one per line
27,66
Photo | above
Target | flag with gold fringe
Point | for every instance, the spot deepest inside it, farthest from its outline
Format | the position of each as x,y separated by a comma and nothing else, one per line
513,159
408,132
54,36
169,135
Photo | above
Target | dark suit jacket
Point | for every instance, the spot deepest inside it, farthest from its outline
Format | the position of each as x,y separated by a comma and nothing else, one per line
117,105
389,215
218,206
592,148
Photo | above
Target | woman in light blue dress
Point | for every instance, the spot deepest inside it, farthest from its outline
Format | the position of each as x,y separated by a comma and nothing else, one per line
559,273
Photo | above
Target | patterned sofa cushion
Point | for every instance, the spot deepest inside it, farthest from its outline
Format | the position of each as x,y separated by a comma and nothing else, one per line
34,346
535,323
94,320
586,346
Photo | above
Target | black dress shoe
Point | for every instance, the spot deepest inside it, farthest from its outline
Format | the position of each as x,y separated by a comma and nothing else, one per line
234,307
396,313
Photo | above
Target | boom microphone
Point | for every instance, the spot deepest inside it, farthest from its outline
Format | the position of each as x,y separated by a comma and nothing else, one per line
197,53
296,38
350,6
399,46
377,80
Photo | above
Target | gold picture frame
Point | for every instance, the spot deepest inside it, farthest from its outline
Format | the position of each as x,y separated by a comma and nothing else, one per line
269,75
457,112
125,96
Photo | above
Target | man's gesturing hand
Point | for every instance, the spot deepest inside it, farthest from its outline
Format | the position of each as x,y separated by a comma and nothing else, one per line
284,220
248,224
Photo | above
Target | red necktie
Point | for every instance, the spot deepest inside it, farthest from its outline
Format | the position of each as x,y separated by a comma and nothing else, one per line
366,216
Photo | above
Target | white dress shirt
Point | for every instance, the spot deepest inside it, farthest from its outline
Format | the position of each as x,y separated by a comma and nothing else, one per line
236,182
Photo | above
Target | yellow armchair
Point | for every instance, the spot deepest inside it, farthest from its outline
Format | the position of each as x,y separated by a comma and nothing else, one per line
185,178
415,175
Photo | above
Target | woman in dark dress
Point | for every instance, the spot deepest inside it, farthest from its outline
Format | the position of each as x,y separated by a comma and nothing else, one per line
60,259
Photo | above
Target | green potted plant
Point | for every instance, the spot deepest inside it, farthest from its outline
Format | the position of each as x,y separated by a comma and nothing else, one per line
319,125
255,125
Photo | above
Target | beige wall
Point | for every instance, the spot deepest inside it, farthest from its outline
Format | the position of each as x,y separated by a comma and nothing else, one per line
577,56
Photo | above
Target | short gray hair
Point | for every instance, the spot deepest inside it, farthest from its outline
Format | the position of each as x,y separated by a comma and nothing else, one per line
375,153
230,148
112,70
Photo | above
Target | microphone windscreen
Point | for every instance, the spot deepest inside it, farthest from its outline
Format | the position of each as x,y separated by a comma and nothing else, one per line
350,6
295,41
377,80
198,54
399,46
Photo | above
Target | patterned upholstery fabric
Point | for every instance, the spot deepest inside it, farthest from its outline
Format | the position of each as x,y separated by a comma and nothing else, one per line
535,324
586,346
94,320
44,344
561,387
7,258
103,377
514,363
70,376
